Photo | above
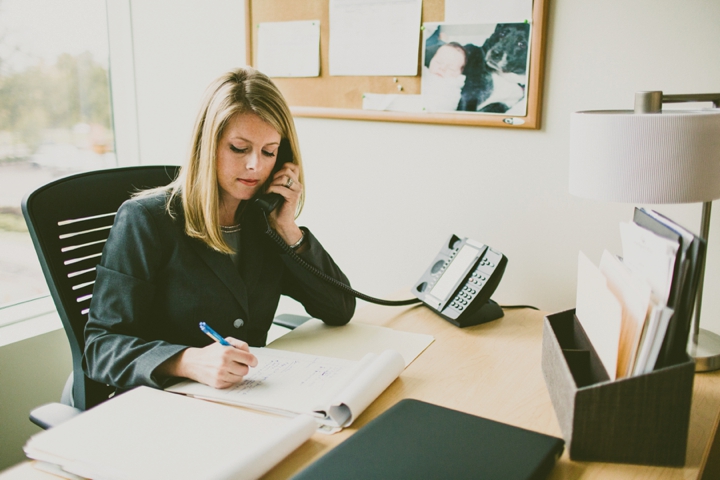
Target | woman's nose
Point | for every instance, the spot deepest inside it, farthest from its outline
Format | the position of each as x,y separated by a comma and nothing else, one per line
252,161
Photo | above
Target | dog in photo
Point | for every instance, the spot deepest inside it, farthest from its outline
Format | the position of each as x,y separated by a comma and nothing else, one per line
496,73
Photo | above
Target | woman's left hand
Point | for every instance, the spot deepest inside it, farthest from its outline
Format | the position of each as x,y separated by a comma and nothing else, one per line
282,220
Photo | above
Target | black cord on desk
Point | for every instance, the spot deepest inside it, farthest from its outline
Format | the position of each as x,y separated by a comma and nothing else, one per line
511,307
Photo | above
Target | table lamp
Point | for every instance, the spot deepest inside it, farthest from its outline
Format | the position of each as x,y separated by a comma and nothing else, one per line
651,156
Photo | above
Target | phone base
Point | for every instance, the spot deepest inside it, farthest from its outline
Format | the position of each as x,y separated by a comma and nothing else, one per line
487,313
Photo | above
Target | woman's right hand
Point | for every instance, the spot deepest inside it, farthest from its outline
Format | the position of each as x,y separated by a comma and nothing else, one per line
215,365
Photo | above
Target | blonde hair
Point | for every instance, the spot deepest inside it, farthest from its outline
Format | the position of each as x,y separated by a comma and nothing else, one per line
244,90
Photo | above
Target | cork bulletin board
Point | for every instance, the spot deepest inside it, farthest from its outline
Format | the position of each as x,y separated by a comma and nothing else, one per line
341,97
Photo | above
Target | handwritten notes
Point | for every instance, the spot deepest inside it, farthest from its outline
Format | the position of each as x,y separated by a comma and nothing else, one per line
312,380
332,390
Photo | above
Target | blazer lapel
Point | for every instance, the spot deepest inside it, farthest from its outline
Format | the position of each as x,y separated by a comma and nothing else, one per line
253,257
224,268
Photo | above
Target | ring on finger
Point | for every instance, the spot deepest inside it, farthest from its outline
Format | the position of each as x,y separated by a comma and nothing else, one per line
289,182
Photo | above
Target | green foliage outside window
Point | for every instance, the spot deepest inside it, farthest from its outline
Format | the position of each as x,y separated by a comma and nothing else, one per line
45,97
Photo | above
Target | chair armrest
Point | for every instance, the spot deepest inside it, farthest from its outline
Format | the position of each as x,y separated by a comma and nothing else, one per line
289,320
52,414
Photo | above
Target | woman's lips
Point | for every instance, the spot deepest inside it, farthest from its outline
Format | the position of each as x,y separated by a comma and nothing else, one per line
249,183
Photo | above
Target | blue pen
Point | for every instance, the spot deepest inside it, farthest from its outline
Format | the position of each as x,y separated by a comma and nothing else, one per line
213,334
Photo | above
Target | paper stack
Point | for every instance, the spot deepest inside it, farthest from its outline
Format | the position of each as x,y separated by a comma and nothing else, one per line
150,434
636,309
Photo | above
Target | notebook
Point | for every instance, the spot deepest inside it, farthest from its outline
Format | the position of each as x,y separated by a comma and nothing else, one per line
415,439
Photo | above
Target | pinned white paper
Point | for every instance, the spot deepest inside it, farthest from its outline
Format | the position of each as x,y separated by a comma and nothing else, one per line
488,11
289,49
368,37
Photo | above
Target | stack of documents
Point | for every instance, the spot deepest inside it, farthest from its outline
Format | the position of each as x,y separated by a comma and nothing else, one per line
151,434
636,309
683,287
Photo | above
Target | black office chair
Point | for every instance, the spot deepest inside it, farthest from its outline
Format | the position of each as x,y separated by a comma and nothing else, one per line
69,221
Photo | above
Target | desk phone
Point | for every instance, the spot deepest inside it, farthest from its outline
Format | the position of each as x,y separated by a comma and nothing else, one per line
460,280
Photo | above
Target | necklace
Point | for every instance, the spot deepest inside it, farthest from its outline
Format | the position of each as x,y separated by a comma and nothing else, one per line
230,228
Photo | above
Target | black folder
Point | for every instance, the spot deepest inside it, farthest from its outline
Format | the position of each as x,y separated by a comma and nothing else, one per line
419,440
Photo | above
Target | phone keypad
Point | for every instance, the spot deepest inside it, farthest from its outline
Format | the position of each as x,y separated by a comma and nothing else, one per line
474,284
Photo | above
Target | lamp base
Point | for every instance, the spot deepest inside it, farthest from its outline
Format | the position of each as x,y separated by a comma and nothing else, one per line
707,354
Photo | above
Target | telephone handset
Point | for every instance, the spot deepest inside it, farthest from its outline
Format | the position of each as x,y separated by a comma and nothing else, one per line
270,201
457,285
459,282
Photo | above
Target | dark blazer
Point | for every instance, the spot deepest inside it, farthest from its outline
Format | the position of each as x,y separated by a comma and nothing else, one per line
155,284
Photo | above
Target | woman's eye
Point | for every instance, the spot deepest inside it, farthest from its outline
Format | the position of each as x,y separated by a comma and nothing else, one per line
238,150
268,154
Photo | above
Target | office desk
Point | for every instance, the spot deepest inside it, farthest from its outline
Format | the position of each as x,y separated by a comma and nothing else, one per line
491,370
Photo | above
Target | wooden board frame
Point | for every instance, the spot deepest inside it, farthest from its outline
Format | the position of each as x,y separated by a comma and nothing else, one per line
340,97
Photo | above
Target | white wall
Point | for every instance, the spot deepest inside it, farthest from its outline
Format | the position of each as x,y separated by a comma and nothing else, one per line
384,196
180,47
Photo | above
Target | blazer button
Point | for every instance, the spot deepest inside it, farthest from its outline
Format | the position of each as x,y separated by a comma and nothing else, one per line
238,323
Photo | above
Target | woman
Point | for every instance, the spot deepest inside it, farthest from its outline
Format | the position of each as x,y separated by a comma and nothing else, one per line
196,251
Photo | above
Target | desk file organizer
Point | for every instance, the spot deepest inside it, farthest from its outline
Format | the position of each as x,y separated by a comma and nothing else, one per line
642,419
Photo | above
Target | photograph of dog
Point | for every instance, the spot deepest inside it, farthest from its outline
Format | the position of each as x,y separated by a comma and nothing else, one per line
476,68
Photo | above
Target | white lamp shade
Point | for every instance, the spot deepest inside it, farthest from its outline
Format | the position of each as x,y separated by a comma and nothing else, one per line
669,157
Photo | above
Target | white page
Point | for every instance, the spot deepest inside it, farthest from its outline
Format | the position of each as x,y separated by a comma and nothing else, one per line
646,339
289,49
657,342
488,11
599,312
370,37
352,341
293,383
649,256
644,363
635,296
282,381
370,383
54,469
150,434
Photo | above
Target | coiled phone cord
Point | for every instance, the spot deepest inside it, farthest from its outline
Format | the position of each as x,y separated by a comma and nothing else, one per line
328,279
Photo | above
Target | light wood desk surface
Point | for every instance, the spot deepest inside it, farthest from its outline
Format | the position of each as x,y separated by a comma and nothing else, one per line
492,370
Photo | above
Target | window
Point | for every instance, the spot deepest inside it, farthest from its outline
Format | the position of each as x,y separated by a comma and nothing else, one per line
55,117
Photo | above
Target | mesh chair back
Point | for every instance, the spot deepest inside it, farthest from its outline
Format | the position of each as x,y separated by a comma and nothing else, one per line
69,221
